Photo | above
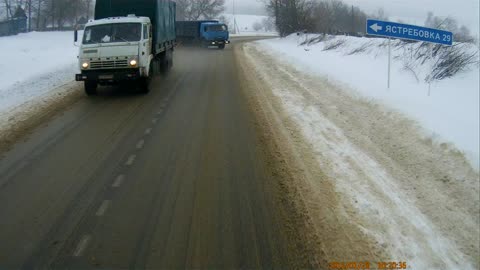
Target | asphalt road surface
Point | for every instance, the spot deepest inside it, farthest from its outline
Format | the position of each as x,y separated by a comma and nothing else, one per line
173,179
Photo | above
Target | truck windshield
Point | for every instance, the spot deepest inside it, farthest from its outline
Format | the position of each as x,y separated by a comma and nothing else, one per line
109,33
216,28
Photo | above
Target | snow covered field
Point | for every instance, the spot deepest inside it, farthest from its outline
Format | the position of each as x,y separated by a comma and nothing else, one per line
33,65
449,114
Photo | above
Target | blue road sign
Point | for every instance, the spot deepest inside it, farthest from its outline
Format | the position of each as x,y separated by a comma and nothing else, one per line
406,31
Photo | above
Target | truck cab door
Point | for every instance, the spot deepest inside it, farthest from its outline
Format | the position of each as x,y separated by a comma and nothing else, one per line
203,31
146,43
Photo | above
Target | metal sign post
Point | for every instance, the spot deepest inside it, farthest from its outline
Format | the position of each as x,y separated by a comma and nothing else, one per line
235,26
389,61
406,31
430,79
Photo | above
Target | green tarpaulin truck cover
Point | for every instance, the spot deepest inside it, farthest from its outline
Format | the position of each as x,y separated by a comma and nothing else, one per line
160,12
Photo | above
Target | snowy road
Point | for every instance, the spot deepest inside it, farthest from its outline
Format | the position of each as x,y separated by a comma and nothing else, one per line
235,160
179,178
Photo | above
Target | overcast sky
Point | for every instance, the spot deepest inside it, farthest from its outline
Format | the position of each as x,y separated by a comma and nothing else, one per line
410,11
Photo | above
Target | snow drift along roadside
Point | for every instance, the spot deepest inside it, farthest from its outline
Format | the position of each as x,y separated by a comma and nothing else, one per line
450,114
36,70
33,64
417,199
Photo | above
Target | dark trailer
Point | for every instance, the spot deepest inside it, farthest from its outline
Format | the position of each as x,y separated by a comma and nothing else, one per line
189,31
160,12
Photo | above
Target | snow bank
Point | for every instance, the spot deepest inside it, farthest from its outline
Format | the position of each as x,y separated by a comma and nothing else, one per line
33,64
449,114
405,194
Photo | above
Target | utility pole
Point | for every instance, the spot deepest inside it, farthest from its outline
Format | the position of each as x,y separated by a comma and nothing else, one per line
29,15
353,20
277,19
88,10
235,26
39,5
9,11
53,15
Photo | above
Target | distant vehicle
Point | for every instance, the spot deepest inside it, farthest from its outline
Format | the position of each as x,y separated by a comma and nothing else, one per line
129,40
205,33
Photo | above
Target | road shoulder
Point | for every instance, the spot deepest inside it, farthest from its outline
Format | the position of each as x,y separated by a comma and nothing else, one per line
374,188
325,235
20,122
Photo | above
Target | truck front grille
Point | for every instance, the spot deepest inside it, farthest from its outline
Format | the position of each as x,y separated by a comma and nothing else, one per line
109,64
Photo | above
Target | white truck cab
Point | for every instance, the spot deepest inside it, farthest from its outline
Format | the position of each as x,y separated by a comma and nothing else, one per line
116,49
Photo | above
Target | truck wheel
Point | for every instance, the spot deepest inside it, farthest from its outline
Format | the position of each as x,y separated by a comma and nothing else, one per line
170,59
221,46
145,81
165,62
91,88
157,63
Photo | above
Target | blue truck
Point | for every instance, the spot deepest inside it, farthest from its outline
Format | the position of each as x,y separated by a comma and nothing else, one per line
206,33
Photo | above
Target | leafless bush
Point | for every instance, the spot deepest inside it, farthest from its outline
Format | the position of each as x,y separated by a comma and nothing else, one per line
408,66
257,26
314,40
451,61
445,61
360,49
335,44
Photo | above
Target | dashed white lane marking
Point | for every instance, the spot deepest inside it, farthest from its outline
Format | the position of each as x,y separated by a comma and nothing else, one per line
154,120
140,144
103,208
159,112
118,182
148,131
131,160
82,245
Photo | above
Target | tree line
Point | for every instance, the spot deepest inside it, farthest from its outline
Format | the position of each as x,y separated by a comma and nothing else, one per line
60,14
49,14
336,17
191,10
460,33
326,16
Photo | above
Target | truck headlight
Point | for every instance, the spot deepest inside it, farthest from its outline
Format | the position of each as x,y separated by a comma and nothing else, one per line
85,65
133,63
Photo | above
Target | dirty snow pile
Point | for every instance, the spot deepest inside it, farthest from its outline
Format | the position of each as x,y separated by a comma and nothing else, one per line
34,64
449,113
413,197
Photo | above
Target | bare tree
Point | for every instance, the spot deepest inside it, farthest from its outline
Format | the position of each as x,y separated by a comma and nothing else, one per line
463,35
324,16
380,15
268,24
257,26
62,13
291,15
8,8
460,34
200,9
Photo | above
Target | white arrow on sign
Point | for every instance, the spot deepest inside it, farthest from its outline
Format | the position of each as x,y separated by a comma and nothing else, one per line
375,27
